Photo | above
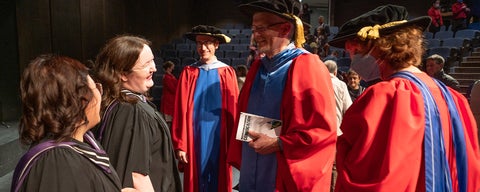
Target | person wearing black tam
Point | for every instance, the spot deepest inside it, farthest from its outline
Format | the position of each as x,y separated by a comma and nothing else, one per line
292,85
408,132
203,119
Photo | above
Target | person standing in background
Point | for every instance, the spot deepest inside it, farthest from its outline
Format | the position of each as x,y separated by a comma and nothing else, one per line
134,134
353,83
205,108
434,68
242,71
305,13
460,13
436,16
169,83
322,32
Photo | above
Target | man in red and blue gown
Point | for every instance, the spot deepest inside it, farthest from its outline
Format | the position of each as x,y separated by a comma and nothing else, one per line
294,86
203,120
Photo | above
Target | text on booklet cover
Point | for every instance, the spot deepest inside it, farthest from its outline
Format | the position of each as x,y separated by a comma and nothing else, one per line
259,124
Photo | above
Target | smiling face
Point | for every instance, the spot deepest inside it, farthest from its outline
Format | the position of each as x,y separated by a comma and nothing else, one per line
139,79
353,81
206,47
270,33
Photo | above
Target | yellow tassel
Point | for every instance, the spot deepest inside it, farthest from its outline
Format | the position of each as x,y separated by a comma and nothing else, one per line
369,32
299,38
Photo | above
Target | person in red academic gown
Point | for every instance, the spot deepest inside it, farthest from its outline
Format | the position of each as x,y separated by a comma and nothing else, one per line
409,132
294,86
203,119
169,83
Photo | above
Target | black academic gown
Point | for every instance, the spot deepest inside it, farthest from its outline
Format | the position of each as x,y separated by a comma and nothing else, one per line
63,169
137,139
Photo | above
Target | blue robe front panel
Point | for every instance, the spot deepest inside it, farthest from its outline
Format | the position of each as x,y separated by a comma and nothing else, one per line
207,113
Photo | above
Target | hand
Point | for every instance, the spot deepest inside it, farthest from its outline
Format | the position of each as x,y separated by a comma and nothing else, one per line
262,143
182,156
129,190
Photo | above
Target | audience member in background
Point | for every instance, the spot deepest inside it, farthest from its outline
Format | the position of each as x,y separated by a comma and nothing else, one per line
353,83
294,86
475,103
436,16
322,32
309,39
204,120
314,48
342,100
168,92
322,29
333,56
242,71
342,97
408,132
460,13
61,103
134,134
434,68
305,13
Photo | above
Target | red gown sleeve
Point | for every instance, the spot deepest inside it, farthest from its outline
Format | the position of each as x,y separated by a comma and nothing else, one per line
309,127
182,118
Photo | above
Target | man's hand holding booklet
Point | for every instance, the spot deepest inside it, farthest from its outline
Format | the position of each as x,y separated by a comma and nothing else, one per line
259,124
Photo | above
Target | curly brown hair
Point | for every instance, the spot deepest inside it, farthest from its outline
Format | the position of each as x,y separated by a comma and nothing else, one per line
117,57
55,93
401,48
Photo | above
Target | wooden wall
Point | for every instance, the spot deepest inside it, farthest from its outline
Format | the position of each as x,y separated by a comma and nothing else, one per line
79,28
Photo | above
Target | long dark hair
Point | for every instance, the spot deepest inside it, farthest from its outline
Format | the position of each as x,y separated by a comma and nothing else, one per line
54,92
117,57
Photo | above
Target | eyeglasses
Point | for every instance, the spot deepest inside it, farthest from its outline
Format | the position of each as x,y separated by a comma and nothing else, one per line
206,43
261,29
99,87
145,66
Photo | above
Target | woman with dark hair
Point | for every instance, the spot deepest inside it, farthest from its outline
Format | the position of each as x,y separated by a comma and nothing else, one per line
409,132
134,134
61,103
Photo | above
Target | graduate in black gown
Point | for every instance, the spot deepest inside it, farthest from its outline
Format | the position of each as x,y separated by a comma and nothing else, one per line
60,104
135,136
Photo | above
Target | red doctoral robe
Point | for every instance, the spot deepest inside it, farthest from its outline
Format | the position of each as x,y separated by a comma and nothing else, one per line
168,94
309,126
182,125
381,148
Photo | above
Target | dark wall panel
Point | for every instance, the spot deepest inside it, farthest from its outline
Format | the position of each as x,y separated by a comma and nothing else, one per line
66,28
33,29
114,18
9,68
92,27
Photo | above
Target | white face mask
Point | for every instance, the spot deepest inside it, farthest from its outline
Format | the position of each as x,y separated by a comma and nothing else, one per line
366,66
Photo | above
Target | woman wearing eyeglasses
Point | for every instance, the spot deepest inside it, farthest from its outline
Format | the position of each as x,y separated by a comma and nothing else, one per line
133,132
61,103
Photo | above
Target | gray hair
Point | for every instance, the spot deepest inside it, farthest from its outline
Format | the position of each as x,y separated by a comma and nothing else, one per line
331,66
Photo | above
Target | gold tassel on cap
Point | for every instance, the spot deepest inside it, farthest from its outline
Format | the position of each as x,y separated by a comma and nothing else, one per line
369,32
299,38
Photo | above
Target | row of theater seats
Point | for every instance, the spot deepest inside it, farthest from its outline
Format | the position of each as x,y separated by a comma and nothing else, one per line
452,46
